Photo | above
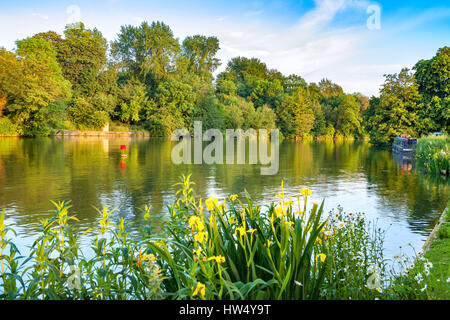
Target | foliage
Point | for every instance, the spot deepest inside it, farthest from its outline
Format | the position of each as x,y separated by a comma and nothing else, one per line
31,83
201,51
433,78
296,119
397,111
148,79
7,127
146,49
433,153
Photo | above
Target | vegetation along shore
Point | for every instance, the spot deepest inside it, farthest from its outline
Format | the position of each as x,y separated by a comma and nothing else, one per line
227,249
147,80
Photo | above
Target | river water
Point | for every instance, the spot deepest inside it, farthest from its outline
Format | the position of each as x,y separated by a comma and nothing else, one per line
90,172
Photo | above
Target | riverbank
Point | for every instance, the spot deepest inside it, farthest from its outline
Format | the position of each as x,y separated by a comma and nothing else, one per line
60,133
437,251
428,276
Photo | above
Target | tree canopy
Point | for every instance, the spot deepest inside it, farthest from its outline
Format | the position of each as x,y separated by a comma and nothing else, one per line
147,80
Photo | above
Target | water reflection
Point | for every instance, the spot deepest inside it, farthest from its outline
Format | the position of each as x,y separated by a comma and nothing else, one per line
90,171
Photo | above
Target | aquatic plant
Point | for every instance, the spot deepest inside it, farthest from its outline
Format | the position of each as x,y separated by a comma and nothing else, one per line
433,153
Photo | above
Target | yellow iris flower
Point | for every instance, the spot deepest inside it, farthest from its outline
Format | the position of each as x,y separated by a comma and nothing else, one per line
219,259
305,192
321,256
211,202
241,231
197,222
201,237
200,289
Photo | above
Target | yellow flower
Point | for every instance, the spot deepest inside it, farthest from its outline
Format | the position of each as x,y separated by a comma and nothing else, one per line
200,206
201,236
269,243
200,289
197,252
241,231
231,220
289,223
195,221
279,211
219,259
160,244
288,203
321,256
211,202
251,231
222,206
305,192
233,197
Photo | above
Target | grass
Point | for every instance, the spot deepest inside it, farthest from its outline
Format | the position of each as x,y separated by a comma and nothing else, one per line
433,153
428,275
439,255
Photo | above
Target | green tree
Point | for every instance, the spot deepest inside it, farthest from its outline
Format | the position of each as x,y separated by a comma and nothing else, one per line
433,78
348,116
134,100
82,56
146,50
31,84
398,108
170,108
267,92
245,73
295,114
201,51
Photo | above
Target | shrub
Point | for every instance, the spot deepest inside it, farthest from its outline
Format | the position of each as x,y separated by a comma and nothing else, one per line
7,128
433,153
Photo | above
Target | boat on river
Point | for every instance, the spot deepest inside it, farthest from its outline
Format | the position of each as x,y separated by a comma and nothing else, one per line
404,143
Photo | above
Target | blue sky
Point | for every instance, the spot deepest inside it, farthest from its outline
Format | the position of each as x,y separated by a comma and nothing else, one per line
313,38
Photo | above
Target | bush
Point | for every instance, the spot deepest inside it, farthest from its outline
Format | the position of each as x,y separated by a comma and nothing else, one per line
433,153
7,128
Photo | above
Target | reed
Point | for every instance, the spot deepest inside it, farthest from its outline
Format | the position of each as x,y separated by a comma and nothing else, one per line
433,153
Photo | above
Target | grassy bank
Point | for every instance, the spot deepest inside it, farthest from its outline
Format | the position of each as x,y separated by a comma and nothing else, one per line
428,275
433,153
439,255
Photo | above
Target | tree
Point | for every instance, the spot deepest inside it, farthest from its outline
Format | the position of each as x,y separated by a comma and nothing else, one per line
267,92
134,100
348,119
295,115
31,83
201,51
210,112
170,108
245,73
433,78
397,111
293,81
82,56
147,49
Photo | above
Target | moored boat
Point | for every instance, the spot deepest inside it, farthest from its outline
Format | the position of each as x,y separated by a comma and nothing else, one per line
404,143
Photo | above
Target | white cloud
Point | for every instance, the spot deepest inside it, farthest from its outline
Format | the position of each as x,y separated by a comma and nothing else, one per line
39,15
254,13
